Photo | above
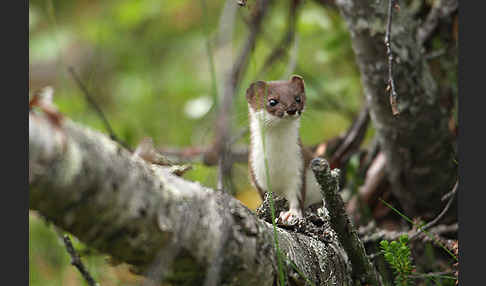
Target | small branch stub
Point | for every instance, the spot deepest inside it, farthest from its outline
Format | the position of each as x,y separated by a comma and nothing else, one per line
348,237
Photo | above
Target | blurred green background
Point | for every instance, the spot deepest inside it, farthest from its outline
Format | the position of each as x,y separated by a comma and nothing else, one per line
146,64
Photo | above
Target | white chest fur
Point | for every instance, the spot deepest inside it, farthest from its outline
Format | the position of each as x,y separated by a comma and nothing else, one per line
276,140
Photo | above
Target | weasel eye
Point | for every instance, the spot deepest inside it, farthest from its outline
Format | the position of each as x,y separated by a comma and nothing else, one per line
273,102
297,99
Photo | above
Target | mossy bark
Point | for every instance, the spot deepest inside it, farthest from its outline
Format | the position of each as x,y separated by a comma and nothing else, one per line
417,142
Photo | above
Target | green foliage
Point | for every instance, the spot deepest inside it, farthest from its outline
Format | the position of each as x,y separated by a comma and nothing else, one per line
398,255
419,226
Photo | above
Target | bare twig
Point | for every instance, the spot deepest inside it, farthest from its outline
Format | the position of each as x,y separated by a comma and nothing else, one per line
352,140
281,48
76,261
192,154
368,193
209,50
453,192
196,154
324,102
440,9
443,228
146,150
372,234
220,148
292,62
373,151
439,217
95,106
435,54
391,82
224,43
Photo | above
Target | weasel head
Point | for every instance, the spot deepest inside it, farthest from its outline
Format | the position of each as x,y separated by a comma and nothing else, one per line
283,100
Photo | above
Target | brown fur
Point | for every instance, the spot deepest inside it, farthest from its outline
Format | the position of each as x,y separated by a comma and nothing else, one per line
307,156
252,175
282,90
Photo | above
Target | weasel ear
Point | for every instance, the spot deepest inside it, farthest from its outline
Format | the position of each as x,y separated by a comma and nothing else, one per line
255,89
297,81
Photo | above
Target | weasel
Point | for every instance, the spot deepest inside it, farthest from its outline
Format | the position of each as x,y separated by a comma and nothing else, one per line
275,109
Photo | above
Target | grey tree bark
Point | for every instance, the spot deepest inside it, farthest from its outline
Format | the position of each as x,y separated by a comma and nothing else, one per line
166,227
417,142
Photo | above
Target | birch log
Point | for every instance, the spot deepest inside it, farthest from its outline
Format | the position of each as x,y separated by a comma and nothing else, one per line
168,228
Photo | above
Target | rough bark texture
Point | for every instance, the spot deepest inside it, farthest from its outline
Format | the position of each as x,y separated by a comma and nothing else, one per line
417,142
363,270
160,223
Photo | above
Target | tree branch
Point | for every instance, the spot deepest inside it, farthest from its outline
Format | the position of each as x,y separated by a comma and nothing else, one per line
348,236
439,216
371,234
121,205
440,9
220,148
283,45
391,81
352,140
76,261
95,106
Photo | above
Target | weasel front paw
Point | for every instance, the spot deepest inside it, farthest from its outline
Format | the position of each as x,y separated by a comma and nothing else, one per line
289,216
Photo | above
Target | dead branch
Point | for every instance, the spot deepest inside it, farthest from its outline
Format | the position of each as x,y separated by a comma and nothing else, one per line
371,234
196,154
122,205
374,176
368,193
440,9
95,106
76,261
281,48
435,54
391,81
352,140
451,193
348,236
441,214
220,148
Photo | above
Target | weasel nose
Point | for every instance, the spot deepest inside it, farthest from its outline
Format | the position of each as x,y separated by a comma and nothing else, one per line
292,111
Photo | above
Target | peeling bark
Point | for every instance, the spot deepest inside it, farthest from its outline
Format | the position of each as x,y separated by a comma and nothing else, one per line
166,227
417,143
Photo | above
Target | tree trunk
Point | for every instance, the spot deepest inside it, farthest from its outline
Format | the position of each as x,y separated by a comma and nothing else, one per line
417,142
